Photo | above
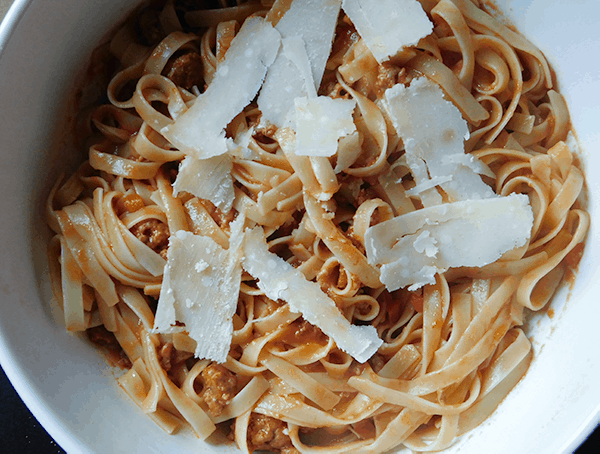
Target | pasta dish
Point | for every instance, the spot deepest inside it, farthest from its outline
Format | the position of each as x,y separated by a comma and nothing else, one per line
317,225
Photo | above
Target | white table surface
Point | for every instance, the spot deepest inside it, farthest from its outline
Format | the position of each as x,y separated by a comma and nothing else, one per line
4,5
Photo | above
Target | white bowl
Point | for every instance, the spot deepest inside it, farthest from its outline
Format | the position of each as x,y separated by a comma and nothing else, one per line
67,384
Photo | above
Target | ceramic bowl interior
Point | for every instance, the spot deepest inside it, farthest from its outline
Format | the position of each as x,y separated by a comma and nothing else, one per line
44,47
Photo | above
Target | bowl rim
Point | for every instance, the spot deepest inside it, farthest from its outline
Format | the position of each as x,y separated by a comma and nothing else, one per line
23,385
9,363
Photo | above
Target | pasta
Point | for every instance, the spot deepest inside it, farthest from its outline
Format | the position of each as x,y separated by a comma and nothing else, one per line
448,352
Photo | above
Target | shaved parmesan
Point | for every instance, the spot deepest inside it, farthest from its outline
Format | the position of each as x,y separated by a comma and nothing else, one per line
314,22
200,289
433,132
239,146
280,280
413,247
208,179
200,131
295,50
320,122
386,26
426,185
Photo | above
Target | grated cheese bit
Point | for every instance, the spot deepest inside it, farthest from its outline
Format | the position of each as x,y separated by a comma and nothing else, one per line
387,26
280,280
200,131
412,248
320,122
208,179
200,289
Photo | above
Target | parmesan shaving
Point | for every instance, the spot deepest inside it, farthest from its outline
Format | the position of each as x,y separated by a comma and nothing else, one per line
320,122
387,26
433,132
295,50
200,289
413,247
281,281
427,185
314,22
208,179
239,146
200,131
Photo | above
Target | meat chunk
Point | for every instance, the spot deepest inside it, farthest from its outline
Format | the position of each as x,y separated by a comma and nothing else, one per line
106,340
219,387
416,299
154,234
269,434
186,71
387,76
169,356
303,332
100,336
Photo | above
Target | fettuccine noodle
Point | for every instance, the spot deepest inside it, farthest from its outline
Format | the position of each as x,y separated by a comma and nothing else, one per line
451,350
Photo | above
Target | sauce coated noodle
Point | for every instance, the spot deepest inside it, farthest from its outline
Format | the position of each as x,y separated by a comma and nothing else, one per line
451,351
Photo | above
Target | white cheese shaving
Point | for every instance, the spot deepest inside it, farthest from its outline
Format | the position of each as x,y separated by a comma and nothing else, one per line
314,22
200,289
208,179
386,26
239,145
468,160
280,280
295,50
433,132
320,122
427,185
413,247
200,131
425,243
